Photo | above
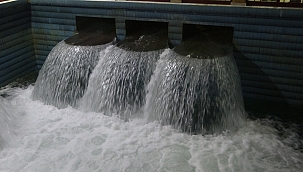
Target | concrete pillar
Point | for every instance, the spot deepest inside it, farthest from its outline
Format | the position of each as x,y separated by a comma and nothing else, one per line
239,2
175,29
176,1
120,28
120,24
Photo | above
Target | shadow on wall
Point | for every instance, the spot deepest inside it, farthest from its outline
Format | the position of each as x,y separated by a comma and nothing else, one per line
145,36
93,31
261,95
211,40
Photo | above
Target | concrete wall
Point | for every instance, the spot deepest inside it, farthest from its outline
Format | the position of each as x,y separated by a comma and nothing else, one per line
17,56
268,41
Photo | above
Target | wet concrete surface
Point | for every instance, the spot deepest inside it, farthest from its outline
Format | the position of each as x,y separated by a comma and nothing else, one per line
93,31
145,36
205,41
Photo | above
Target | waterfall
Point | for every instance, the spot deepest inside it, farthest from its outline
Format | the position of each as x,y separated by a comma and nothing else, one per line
65,73
112,108
117,84
196,95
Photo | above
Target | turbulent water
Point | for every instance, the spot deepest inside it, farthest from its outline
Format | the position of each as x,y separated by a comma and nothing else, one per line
51,139
71,119
8,123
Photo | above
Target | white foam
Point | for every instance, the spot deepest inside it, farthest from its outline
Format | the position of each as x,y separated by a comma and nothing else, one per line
52,139
8,123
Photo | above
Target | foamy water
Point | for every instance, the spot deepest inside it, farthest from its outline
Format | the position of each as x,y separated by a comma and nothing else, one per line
52,139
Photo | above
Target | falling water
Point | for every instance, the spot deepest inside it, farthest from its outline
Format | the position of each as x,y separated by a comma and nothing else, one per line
69,139
65,73
196,95
117,84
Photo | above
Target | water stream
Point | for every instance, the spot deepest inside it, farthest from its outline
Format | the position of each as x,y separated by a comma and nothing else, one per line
64,77
196,95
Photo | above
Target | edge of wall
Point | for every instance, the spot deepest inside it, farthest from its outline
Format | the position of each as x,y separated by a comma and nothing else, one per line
17,56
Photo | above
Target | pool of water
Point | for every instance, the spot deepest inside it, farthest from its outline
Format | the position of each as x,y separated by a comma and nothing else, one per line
45,138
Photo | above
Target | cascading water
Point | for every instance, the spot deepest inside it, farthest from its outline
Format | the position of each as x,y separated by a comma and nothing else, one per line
193,95
64,76
51,139
196,95
117,84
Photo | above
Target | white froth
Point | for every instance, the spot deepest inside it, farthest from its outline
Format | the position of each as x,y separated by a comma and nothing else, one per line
52,139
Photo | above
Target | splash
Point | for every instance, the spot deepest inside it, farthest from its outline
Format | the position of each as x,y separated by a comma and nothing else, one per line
8,123
70,140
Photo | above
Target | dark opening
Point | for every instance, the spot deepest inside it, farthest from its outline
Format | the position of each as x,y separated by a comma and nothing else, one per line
145,36
215,33
203,41
93,31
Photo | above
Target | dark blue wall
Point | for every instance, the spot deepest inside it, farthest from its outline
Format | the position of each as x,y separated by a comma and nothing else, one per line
17,56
